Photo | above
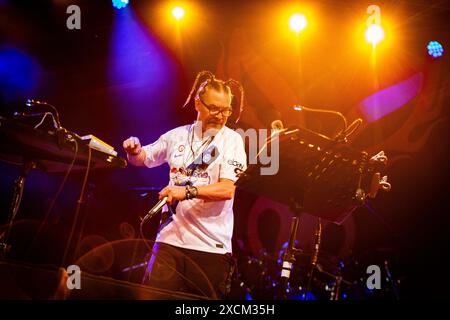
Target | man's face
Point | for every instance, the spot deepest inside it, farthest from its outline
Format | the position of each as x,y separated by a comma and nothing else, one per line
212,101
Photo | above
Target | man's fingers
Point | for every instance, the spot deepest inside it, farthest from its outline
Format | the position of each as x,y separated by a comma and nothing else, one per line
166,192
163,193
169,198
172,193
132,144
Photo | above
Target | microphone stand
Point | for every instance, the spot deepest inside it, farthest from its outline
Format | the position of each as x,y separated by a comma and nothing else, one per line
291,251
317,241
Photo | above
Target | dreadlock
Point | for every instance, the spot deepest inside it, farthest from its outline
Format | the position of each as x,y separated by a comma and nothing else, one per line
219,85
241,90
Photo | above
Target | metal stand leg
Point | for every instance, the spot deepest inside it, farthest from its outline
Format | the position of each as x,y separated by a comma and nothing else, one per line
73,243
289,254
19,186
291,251
288,260
317,241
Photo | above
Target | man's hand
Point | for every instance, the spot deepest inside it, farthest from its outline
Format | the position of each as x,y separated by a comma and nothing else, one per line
173,193
132,146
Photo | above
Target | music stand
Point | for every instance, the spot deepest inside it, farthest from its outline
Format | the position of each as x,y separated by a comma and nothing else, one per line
317,175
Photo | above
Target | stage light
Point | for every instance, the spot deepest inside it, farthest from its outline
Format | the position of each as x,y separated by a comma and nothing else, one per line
435,49
19,74
297,22
178,13
119,4
374,34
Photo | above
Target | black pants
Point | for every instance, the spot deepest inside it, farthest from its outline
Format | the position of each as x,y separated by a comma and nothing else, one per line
197,272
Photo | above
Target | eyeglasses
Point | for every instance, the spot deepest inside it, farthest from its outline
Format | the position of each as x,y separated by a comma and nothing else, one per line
214,110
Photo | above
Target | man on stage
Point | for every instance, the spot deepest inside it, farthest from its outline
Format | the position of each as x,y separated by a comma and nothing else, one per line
193,249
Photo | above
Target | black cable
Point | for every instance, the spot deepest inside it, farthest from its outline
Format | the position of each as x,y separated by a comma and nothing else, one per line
31,102
79,202
168,264
56,196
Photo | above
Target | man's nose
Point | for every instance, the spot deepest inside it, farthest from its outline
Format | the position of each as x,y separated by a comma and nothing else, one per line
219,116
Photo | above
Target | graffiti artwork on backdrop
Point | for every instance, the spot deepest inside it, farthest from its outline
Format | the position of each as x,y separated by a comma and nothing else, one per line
270,97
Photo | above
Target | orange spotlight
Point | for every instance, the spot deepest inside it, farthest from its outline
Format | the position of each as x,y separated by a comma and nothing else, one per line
374,34
178,12
297,22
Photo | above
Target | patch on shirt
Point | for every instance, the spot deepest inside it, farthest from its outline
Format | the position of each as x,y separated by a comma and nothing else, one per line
219,245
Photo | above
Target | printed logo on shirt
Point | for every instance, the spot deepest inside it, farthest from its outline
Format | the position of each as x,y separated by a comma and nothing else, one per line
238,171
181,148
236,164
203,175
195,174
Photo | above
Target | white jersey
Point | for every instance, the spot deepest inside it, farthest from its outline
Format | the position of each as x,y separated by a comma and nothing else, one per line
199,224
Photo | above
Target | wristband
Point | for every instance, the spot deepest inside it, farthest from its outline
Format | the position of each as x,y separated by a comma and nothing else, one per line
191,192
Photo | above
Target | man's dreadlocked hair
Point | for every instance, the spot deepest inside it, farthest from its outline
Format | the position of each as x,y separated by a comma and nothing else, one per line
216,84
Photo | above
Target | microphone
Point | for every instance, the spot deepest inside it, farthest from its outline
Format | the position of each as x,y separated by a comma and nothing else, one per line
156,208
150,215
